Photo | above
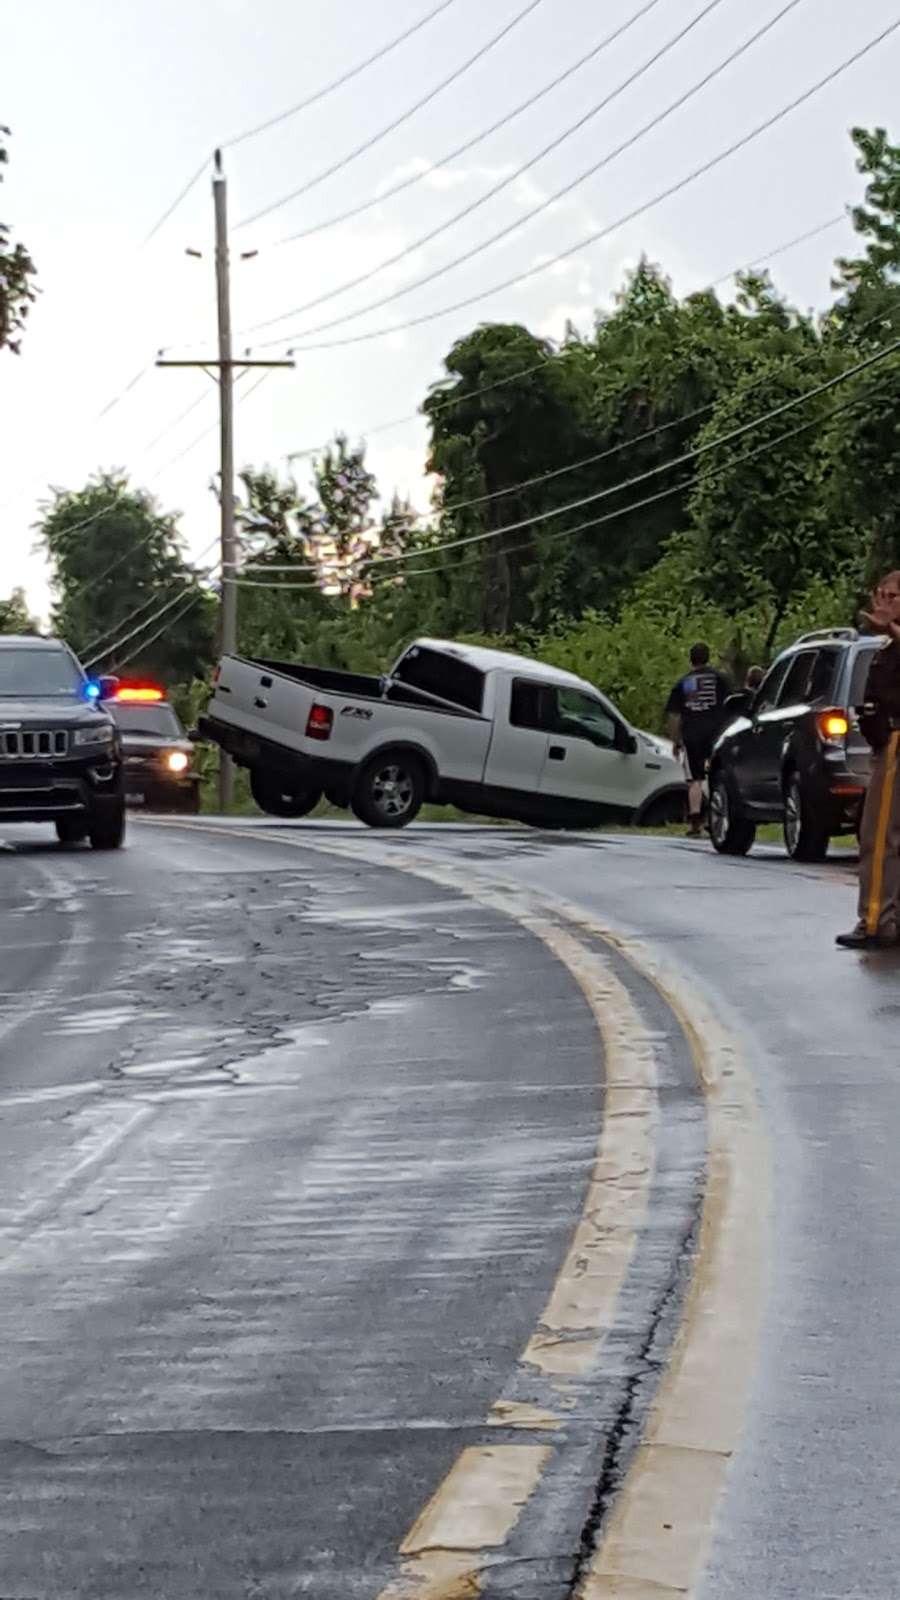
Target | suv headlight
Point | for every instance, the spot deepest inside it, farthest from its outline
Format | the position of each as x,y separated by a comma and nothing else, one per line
101,733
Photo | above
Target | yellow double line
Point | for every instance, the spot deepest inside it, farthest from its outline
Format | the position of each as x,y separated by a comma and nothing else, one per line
656,1539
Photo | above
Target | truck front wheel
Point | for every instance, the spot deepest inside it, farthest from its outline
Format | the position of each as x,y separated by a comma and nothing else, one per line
279,798
389,791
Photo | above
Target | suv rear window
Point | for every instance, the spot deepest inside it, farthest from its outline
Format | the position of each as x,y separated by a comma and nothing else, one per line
860,675
443,675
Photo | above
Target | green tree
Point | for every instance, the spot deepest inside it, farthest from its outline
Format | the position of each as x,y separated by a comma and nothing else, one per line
117,562
757,505
17,275
15,616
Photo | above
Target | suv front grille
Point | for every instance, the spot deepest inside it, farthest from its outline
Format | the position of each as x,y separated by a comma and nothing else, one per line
33,744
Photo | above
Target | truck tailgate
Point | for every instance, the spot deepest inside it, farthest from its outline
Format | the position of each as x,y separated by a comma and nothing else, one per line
259,700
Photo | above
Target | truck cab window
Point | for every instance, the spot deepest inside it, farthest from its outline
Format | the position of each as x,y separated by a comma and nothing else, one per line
583,718
443,675
532,705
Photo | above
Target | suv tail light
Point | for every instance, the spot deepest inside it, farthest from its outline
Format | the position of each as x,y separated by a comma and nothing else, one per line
833,726
319,722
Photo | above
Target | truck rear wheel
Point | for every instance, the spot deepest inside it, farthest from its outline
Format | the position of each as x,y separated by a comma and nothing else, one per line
280,798
106,823
389,791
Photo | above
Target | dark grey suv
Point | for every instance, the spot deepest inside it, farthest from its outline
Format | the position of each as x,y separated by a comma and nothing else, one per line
795,754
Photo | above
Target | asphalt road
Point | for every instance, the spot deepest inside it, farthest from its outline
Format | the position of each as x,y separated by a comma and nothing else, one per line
292,1149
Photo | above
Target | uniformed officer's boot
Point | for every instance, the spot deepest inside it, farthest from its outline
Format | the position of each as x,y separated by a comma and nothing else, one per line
860,939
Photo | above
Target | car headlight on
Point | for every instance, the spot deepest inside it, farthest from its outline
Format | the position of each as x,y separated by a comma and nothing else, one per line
100,733
177,761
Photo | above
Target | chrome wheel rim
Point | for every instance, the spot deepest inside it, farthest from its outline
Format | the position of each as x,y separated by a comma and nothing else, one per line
718,814
793,818
392,791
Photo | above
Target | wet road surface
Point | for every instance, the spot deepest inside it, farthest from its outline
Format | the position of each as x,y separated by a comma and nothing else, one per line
293,1147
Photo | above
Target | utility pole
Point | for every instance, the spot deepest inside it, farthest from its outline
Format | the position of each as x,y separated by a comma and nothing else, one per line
222,371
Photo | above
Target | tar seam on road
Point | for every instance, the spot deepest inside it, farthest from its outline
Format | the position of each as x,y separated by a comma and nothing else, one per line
656,1539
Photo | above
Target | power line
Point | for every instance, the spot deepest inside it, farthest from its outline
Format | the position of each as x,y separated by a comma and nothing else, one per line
666,466
637,505
181,195
603,233
146,643
781,249
293,111
338,83
391,127
504,183
136,611
117,399
479,138
634,482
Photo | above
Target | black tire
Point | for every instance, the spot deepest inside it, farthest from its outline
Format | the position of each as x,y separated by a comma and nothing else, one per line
106,824
667,809
806,836
731,834
71,830
389,791
279,798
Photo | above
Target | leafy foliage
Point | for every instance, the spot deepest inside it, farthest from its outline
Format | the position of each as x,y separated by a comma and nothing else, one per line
116,560
17,274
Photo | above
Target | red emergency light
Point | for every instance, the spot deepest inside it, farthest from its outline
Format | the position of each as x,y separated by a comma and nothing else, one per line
139,693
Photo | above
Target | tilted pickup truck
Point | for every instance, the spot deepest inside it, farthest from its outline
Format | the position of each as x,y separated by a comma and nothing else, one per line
489,732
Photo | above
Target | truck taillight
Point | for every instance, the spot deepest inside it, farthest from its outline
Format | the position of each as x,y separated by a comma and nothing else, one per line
833,726
215,676
319,722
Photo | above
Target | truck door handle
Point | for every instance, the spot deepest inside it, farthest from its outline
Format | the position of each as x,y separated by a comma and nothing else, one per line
557,752
260,703
265,683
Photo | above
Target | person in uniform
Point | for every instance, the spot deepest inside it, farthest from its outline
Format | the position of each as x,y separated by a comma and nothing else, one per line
878,923
695,712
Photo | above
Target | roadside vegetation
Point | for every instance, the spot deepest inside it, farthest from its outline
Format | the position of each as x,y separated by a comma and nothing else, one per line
586,508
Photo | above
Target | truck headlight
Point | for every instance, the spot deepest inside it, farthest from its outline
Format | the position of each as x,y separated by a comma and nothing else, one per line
177,761
102,733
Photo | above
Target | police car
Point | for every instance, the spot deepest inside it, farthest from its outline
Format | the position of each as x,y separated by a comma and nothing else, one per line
158,757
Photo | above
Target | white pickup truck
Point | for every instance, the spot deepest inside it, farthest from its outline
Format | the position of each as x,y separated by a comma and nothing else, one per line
486,731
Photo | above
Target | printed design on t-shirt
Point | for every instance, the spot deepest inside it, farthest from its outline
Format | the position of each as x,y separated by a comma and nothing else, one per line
700,690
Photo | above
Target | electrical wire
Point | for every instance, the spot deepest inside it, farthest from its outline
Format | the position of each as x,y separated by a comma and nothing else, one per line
113,649
390,127
477,139
624,511
123,393
690,455
613,227
509,178
772,255
293,111
634,482
129,617
338,83
146,643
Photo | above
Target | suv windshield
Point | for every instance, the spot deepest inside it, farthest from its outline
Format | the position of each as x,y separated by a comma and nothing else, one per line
27,672
156,722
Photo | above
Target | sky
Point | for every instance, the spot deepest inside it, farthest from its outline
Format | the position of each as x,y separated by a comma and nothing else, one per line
114,104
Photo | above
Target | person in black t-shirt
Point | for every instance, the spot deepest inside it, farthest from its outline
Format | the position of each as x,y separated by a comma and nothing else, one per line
694,710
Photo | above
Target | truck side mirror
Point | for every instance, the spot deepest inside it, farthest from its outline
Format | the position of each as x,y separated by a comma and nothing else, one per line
626,741
108,687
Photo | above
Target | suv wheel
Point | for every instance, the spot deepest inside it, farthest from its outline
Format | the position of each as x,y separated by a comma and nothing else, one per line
71,830
731,834
805,835
106,823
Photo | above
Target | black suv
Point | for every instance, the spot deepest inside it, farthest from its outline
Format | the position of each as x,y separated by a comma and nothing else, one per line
60,752
794,753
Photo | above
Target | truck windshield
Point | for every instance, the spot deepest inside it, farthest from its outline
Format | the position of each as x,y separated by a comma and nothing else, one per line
26,672
155,722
